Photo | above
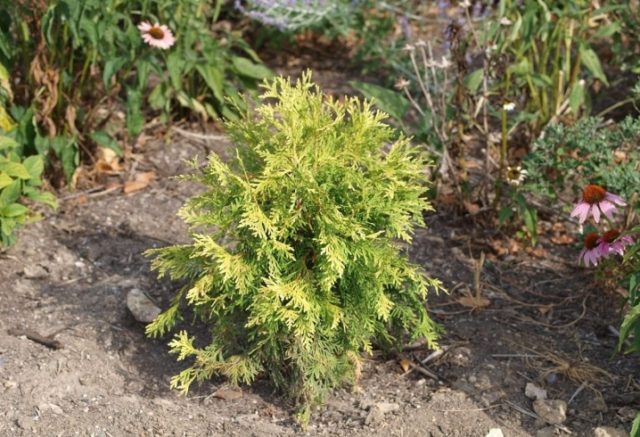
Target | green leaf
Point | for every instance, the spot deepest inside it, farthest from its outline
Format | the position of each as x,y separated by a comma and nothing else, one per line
635,427
7,227
608,30
214,78
103,139
389,101
135,119
630,319
522,68
14,210
175,64
505,214
592,62
577,97
35,166
8,143
5,180
14,169
245,67
41,197
473,80
111,68
10,193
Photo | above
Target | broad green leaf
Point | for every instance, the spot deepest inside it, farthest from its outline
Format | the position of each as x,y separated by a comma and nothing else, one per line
14,210
41,196
103,139
6,142
35,166
473,80
5,180
214,78
592,62
14,169
10,193
389,101
6,123
247,68
7,227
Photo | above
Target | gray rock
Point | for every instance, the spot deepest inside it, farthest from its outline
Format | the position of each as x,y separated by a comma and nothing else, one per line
553,411
609,431
35,271
532,391
378,410
142,308
548,431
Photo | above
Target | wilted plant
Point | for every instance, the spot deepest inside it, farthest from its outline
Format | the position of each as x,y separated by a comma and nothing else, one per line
296,264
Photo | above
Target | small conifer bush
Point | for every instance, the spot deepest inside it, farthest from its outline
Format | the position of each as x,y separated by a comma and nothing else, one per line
297,260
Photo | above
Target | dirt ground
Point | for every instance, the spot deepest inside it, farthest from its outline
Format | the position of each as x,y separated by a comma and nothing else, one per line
546,322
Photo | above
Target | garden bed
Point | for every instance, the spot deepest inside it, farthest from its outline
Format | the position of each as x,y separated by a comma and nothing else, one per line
69,275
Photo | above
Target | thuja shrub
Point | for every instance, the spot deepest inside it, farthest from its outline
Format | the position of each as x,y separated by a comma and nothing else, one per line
297,262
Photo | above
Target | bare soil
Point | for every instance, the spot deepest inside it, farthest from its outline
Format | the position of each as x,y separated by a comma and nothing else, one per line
546,322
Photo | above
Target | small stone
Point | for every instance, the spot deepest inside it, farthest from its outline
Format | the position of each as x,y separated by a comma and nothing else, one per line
495,432
387,407
24,422
598,404
55,409
460,356
609,431
375,416
532,391
553,411
35,271
551,378
627,414
548,431
227,394
141,307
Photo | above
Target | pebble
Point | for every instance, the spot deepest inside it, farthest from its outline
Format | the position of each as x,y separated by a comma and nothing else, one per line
35,271
227,394
532,391
553,411
609,431
378,410
495,432
141,307
548,431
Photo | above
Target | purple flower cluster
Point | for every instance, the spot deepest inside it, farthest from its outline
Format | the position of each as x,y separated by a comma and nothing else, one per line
598,202
290,15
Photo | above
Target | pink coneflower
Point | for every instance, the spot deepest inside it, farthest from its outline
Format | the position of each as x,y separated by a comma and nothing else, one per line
596,200
156,35
612,242
591,252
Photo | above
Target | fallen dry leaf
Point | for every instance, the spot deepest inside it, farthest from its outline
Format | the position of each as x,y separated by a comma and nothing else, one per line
472,208
474,302
405,364
141,181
